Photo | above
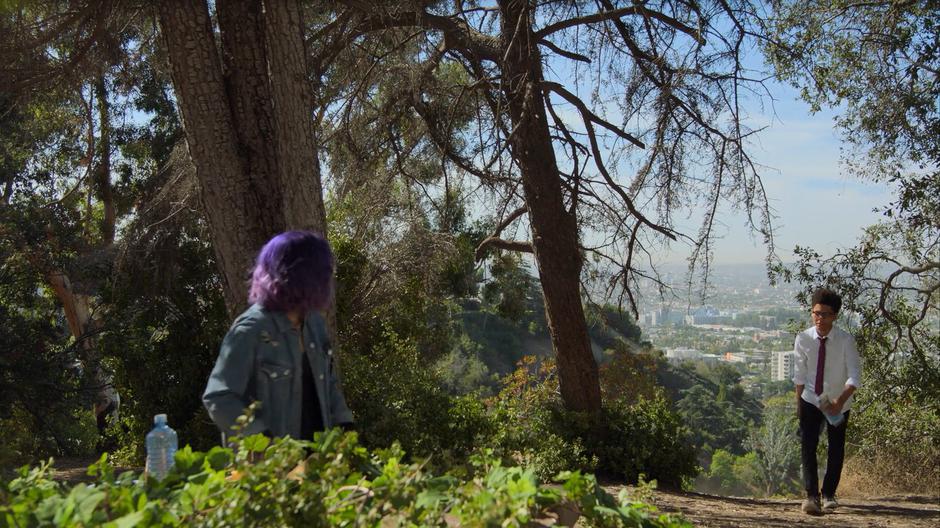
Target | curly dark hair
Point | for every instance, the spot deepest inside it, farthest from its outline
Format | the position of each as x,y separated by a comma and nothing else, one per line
827,297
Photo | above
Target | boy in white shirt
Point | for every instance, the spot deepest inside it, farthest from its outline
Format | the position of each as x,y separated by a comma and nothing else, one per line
828,372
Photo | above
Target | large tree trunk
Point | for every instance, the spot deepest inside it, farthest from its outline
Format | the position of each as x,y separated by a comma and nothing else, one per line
237,220
247,127
554,229
299,169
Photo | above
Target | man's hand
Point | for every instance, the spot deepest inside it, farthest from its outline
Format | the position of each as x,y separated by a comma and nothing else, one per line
833,407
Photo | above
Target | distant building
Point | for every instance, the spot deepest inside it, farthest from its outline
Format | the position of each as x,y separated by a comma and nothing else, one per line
782,365
678,355
664,316
704,315
735,357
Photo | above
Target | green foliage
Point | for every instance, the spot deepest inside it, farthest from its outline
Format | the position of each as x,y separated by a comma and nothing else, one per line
510,287
771,464
44,394
462,371
776,449
729,474
397,398
162,332
625,440
896,439
643,438
502,342
628,376
331,481
715,424
883,71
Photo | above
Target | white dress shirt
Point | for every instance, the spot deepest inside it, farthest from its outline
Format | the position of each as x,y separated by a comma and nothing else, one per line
843,365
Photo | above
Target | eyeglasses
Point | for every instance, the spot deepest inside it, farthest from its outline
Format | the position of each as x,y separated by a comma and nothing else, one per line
823,315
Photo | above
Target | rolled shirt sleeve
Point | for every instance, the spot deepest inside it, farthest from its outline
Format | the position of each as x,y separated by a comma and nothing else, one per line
799,368
853,363
226,395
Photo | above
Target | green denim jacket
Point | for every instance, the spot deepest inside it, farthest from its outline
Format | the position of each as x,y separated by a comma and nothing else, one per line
260,360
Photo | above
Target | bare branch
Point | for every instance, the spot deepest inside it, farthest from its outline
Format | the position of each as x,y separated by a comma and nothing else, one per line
587,114
616,14
564,53
498,243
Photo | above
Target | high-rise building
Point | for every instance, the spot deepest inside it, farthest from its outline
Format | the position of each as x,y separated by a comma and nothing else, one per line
782,365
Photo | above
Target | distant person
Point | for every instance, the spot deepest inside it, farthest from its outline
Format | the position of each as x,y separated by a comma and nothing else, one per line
277,352
828,372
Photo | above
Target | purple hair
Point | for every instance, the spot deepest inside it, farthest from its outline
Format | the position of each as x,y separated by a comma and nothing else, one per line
293,272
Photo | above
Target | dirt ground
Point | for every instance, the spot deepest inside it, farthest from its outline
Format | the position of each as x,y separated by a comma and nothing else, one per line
713,511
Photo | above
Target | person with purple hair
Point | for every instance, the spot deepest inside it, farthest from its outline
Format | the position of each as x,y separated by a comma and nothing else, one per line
277,352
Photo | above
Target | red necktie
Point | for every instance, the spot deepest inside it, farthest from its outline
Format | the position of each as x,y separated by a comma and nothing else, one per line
820,365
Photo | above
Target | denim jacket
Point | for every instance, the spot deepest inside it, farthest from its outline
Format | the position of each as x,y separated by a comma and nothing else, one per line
260,360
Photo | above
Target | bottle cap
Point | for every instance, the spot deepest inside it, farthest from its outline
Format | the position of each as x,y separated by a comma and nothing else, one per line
159,419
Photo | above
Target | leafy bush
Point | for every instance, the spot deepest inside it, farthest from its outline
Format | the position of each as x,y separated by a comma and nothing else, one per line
331,481
44,398
895,440
644,438
162,331
624,441
396,397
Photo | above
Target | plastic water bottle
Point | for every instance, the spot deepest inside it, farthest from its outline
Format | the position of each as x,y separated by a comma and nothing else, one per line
833,419
162,443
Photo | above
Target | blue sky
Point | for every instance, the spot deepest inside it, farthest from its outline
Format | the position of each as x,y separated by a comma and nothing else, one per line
815,201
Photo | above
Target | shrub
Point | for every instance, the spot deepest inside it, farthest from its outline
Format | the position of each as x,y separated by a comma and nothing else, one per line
331,481
644,438
895,440
44,399
624,441
396,397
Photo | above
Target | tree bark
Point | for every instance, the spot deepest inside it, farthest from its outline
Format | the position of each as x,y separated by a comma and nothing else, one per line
83,327
247,117
226,193
554,229
299,169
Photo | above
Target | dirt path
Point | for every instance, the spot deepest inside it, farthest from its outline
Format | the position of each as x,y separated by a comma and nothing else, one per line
73,470
714,511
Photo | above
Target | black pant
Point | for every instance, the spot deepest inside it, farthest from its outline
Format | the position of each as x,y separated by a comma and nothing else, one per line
811,419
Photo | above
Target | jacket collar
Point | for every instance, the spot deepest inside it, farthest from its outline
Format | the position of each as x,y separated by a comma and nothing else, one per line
281,322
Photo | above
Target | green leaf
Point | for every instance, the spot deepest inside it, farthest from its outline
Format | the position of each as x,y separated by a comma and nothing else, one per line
128,521
256,443
219,457
86,503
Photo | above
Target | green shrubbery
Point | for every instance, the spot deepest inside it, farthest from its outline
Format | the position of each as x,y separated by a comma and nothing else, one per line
397,398
332,481
895,440
625,441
